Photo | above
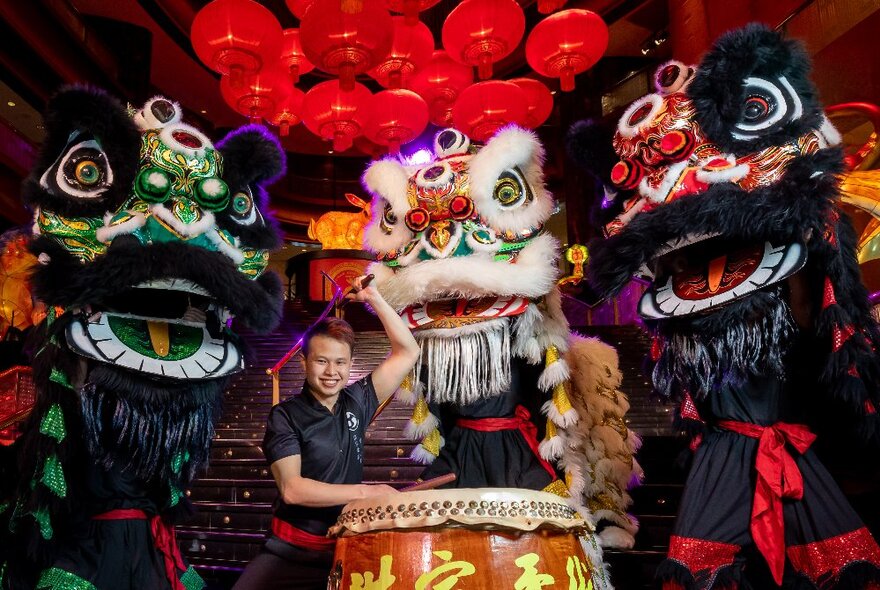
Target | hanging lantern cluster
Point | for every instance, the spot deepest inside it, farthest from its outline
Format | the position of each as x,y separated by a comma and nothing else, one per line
260,65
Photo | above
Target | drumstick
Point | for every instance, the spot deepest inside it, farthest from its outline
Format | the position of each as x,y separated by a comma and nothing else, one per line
364,284
430,484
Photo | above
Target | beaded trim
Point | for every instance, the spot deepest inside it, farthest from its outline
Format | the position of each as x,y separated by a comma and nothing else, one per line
58,579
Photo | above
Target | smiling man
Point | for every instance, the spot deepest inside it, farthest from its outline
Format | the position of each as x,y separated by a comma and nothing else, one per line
315,445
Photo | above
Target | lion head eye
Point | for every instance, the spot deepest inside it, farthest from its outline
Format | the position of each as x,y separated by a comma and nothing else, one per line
242,209
510,189
82,172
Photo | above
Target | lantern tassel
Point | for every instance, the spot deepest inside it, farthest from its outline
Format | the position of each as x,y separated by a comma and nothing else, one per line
352,6
294,74
236,76
484,69
566,79
346,77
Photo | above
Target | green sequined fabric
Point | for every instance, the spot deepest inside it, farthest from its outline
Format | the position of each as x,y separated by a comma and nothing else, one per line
53,423
53,476
192,580
58,376
58,579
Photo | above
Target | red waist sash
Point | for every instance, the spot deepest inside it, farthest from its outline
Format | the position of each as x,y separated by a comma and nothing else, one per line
521,420
163,539
778,478
287,532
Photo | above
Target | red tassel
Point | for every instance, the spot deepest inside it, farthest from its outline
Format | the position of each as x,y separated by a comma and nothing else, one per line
841,335
828,298
656,349
869,407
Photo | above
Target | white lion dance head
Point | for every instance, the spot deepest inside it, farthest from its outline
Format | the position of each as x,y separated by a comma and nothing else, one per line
462,255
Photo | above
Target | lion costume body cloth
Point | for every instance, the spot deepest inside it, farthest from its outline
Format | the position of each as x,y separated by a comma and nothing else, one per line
724,195
463,258
149,240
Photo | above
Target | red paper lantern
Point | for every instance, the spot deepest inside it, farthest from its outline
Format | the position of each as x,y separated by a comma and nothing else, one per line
292,56
481,32
289,112
299,7
260,96
346,44
539,101
410,8
335,114
485,107
396,117
411,49
439,82
565,44
236,37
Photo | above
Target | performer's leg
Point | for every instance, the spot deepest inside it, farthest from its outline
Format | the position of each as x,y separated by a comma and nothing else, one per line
268,571
712,528
826,541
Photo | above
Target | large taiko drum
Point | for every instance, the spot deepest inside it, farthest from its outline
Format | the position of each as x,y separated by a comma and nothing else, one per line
484,538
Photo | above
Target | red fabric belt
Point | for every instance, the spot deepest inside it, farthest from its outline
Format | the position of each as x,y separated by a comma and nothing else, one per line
521,420
163,539
287,532
778,478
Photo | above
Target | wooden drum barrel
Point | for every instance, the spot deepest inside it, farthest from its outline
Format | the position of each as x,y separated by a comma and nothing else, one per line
486,538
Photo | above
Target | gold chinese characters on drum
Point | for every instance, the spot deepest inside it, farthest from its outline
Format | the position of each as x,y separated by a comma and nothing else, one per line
484,537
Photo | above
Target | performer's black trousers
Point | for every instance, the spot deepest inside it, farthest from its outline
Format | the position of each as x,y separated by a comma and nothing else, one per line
281,566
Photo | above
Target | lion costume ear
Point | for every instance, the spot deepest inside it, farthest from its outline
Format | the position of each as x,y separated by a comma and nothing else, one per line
752,90
89,158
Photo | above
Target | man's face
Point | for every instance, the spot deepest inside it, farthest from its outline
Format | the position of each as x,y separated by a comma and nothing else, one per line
327,366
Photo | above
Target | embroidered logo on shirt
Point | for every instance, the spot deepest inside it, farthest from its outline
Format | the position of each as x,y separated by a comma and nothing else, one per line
352,420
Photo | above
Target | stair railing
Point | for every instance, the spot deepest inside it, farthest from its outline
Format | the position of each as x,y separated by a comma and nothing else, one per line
16,386
275,371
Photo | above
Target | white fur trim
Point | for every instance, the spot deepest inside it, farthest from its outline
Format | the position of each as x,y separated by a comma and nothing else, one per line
479,275
629,131
415,431
145,119
563,420
167,136
422,455
552,448
659,194
509,147
108,232
387,180
225,247
188,230
554,375
829,133
616,538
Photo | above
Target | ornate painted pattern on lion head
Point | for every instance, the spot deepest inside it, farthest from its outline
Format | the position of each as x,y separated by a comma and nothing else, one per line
459,240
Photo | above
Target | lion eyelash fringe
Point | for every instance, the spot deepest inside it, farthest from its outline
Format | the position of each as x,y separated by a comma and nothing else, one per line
690,360
468,367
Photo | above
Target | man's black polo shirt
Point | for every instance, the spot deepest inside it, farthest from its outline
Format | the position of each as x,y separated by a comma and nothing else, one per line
331,445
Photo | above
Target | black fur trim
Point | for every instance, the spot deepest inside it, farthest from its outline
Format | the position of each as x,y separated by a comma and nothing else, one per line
91,110
588,144
66,282
252,159
854,576
727,577
719,94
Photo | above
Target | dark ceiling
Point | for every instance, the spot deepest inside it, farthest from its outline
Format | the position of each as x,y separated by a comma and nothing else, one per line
139,48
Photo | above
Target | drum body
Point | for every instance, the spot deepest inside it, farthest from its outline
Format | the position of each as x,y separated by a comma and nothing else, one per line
487,538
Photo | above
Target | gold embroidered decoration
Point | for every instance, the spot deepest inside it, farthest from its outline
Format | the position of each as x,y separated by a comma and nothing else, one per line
560,398
421,411
557,487
431,443
551,430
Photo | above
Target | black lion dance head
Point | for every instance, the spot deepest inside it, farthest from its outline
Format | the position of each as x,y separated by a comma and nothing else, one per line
150,239
722,192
